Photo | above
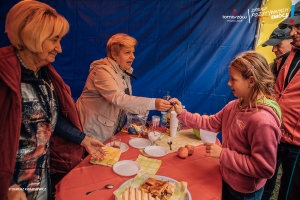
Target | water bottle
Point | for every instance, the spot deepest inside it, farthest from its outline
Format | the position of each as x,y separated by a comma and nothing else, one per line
164,115
180,124
167,96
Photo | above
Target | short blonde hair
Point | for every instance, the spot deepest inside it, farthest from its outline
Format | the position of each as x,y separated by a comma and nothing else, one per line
29,23
261,72
117,41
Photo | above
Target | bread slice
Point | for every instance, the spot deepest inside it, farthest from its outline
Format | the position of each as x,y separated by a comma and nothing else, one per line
131,193
125,195
135,194
143,195
138,194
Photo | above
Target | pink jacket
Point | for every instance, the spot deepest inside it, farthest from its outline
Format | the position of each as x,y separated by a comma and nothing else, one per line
250,142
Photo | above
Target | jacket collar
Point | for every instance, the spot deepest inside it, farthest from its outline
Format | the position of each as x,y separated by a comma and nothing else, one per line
116,67
294,48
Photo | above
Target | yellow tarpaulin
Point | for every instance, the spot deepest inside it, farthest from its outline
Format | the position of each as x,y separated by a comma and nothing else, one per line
272,13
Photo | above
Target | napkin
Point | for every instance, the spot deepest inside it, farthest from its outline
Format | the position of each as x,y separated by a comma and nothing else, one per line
111,158
149,165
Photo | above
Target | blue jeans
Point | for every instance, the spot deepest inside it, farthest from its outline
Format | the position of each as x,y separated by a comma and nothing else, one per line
286,155
230,194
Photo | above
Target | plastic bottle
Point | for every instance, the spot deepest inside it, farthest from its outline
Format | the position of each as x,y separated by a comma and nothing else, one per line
180,124
167,96
164,115
168,120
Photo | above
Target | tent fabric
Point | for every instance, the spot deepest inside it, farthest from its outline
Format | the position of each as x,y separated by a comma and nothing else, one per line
184,46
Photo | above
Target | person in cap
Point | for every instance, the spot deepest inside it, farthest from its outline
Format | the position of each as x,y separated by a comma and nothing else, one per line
281,42
287,92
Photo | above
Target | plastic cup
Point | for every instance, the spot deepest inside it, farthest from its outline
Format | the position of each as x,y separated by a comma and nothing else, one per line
207,136
173,131
173,119
163,118
115,141
155,121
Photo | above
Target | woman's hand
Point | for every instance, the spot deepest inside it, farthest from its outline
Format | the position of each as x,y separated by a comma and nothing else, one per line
15,193
162,105
177,106
94,147
213,150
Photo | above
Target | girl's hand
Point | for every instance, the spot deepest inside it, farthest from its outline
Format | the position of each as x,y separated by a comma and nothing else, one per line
177,106
213,150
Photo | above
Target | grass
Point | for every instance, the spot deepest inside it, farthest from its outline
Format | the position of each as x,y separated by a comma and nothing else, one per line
276,190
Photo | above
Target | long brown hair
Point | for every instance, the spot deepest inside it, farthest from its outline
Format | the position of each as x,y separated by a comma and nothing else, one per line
261,72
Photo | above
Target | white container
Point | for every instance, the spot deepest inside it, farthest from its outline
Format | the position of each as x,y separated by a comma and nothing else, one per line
173,119
173,131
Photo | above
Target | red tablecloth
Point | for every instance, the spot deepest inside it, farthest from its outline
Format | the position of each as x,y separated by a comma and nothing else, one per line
201,173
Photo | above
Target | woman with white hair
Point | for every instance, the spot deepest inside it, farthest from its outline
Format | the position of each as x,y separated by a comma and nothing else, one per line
38,118
107,93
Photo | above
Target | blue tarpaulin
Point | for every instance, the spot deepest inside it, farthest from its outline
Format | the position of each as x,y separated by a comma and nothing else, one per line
184,46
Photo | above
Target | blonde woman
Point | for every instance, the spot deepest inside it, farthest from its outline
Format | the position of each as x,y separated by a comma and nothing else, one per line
107,93
250,129
36,106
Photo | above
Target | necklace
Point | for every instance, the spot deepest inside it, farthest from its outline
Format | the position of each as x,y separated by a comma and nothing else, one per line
50,86
21,61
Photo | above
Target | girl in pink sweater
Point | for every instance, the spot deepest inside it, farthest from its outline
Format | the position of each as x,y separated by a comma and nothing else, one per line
250,127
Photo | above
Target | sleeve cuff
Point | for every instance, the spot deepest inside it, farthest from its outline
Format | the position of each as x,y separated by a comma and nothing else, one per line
151,105
12,182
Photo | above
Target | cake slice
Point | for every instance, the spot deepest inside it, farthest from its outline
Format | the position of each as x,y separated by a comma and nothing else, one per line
171,188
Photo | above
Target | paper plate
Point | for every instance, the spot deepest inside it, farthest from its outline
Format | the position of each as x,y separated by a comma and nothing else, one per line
164,178
123,146
127,168
139,143
156,151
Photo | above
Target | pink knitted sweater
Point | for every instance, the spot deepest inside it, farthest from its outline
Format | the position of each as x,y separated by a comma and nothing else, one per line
250,142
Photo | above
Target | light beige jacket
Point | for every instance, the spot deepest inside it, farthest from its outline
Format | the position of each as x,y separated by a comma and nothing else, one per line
104,97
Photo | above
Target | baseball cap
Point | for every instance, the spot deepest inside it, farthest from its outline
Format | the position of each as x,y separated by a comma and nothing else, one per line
277,36
296,18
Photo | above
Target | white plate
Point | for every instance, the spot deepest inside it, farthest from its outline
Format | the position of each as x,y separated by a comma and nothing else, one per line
139,143
186,197
156,151
127,168
123,146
